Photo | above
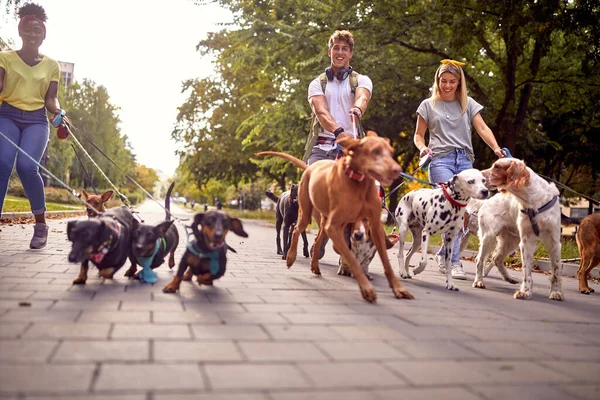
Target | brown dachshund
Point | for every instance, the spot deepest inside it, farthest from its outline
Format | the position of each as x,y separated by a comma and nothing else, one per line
588,240
96,201
341,192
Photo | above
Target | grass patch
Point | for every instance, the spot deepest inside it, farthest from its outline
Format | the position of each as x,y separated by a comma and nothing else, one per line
21,204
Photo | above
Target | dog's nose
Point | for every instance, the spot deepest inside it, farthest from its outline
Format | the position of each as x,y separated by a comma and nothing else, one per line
485,193
359,236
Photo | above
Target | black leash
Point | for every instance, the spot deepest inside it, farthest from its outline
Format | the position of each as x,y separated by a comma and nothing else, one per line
84,170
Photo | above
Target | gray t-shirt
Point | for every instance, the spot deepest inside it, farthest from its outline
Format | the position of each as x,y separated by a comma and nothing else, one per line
449,128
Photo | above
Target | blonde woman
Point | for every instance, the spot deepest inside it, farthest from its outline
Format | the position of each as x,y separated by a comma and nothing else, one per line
450,114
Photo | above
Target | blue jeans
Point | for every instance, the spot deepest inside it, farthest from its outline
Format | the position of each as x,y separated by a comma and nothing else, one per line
30,131
442,169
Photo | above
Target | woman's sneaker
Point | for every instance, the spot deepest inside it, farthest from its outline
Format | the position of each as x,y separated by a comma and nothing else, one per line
40,236
457,271
441,264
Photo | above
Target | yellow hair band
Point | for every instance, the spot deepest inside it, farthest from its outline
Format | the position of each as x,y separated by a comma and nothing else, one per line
452,62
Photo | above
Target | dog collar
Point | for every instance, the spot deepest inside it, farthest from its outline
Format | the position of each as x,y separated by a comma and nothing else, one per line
213,256
531,213
450,198
354,175
105,247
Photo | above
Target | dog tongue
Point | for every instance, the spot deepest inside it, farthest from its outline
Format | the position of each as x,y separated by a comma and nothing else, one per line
97,257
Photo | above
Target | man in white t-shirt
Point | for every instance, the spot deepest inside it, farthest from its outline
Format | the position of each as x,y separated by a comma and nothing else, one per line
340,105
337,107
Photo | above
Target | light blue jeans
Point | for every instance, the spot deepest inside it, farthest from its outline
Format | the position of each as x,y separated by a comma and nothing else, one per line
30,131
442,169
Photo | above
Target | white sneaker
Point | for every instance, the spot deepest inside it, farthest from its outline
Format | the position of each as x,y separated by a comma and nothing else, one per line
441,264
457,272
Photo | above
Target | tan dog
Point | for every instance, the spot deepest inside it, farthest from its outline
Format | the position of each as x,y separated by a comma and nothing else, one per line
96,201
588,240
342,191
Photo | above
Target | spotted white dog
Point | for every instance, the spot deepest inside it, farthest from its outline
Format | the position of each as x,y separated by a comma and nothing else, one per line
429,211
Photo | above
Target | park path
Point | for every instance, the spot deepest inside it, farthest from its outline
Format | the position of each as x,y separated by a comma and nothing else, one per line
271,333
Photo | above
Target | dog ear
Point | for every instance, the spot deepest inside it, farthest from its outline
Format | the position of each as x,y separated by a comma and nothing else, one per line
237,228
85,194
372,133
70,226
517,174
135,224
164,226
347,142
198,219
106,196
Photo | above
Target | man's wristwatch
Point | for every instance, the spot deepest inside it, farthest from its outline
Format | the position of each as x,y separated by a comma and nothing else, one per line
338,131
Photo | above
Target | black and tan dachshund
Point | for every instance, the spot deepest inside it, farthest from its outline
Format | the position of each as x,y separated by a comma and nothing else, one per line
105,241
286,212
152,243
206,257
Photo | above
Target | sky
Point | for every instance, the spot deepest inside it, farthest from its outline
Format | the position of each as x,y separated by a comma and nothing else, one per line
140,51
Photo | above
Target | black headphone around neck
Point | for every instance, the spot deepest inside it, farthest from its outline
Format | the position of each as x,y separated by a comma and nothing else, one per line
341,74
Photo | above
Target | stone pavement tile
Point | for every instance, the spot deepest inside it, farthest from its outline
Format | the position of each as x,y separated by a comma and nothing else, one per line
214,307
12,329
118,396
587,392
213,396
45,378
146,377
18,273
253,318
447,393
39,316
302,332
324,394
96,351
104,305
350,374
579,371
588,338
271,308
6,295
529,392
286,351
77,296
361,350
56,287
150,331
114,316
26,304
514,335
196,351
68,330
330,309
182,296
442,350
151,306
508,350
241,332
569,351
310,318
25,280
451,372
368,332
456,321
280,299
222,297
257,376
26,351
181,317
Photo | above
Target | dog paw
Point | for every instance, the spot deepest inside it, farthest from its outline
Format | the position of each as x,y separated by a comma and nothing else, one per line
558,296
79,281
419,269
130,272
479,284
279,252
368,292
520,295
344,271
405,275
452,287
305,253
369,276
584,291
169,289
400,292
315,271
107,273
512,280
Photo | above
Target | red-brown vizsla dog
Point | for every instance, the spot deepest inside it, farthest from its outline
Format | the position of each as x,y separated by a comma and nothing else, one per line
342,191
588,240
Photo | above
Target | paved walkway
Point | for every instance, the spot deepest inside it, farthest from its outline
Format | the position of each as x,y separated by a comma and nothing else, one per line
269,333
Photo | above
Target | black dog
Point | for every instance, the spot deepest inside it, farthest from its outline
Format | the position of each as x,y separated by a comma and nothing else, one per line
105,241
286,211
154,241
206,256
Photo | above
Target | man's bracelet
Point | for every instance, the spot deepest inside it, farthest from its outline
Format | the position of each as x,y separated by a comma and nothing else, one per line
338,131
360,109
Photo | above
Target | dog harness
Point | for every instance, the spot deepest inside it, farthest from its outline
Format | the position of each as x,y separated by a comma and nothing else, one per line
104,248
531,213
450,198
213,256
146,274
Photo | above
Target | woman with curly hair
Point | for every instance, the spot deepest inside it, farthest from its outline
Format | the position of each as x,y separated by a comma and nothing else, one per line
28,87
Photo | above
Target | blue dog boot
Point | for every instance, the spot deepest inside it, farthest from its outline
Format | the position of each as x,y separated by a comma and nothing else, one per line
148,276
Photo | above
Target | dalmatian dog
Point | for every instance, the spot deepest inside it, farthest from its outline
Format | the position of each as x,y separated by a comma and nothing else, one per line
441,210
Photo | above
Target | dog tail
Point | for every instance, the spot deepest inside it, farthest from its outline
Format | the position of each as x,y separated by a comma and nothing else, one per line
272,196
168,202
297,162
